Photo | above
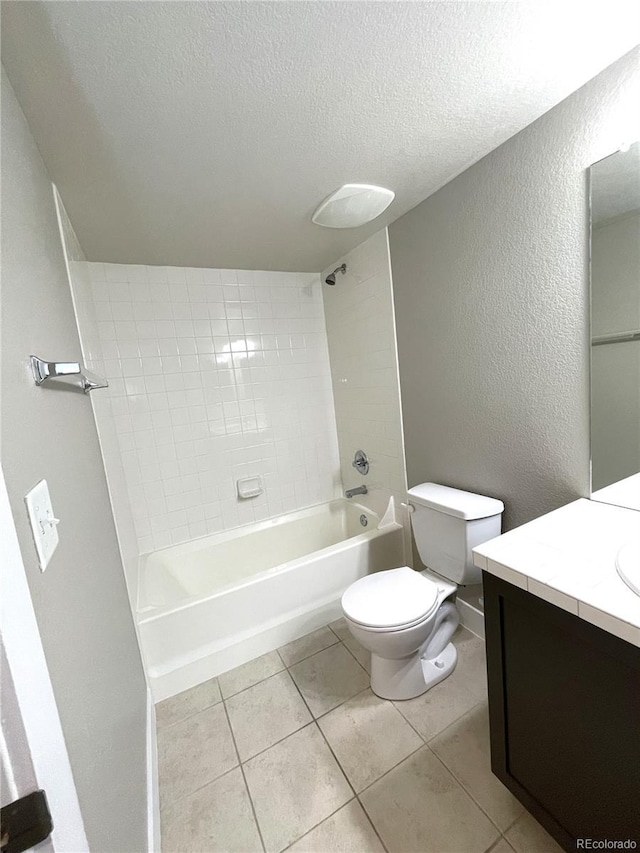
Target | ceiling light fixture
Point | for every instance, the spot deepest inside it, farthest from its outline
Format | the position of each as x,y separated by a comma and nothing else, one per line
352,205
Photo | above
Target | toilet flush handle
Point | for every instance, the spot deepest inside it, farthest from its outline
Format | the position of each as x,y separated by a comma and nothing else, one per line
408,506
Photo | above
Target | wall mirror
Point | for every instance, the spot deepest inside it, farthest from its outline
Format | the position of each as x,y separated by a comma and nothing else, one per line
615,328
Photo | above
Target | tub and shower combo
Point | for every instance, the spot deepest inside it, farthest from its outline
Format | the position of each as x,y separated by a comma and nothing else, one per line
209,605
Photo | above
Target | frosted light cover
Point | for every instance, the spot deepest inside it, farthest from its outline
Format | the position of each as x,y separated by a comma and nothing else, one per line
352,205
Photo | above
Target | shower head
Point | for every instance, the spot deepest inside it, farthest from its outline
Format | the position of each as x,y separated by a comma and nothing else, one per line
331,278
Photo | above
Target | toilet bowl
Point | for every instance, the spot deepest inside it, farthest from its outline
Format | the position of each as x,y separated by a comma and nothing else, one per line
402,618
405,618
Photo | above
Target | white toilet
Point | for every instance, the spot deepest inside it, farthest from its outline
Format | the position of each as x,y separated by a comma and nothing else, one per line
404,617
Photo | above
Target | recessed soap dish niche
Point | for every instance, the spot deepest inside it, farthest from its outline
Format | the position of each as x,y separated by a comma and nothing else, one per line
249,487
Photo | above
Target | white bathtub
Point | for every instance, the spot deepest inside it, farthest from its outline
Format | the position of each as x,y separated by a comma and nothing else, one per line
212,604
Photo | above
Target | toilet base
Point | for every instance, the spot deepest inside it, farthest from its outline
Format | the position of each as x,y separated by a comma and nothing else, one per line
438,668
410,677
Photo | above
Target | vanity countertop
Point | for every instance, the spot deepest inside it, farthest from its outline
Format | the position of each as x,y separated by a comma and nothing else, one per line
568,558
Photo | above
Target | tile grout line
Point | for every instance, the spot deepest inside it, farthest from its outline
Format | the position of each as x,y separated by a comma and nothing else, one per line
497,841
457,720
320,651
408,722
284,737
321,716
244,778
260,680
285,666
386,772
316,825
317,719
335,757
314,719
165,726
468,793
375,828
198,789
354,657
344,773
311,654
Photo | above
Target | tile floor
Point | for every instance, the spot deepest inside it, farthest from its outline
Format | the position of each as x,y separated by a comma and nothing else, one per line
292,751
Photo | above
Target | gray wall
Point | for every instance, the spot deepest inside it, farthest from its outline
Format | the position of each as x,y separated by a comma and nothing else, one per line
80,601
490,278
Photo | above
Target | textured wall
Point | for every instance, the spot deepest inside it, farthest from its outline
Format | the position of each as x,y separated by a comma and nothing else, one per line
364,371
213,375
80,601
491,294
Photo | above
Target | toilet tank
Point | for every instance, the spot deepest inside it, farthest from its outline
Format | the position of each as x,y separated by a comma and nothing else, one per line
447,524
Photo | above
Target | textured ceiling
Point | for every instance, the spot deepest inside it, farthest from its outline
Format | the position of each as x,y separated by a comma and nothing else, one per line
205,134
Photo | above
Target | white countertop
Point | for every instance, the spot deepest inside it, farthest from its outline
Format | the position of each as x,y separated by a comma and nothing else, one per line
567,557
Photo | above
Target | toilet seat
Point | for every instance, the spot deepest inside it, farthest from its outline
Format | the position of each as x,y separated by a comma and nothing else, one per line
392,600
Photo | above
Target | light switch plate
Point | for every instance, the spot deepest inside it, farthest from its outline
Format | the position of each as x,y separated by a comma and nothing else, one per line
44,525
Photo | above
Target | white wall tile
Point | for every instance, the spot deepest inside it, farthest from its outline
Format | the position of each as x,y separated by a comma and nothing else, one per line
214,375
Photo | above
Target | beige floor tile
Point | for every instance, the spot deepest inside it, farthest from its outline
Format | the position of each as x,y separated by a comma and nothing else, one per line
187,703
368,737
329,678
248,674
347,831
294,786
464,748
308,645
194,752
527,836
436,709
265,713
216,819
419,806
339,627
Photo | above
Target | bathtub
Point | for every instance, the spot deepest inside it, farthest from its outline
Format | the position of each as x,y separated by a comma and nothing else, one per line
209,605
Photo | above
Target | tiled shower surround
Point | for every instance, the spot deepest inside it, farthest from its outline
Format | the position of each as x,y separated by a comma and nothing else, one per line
215,375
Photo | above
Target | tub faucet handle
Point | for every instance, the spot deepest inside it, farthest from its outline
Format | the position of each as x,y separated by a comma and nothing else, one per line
360,462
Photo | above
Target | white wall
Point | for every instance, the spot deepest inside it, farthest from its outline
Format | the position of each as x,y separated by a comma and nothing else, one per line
214,375
364,370
80,601
615,368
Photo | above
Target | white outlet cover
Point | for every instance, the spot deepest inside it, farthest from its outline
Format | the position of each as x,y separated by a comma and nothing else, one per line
44,524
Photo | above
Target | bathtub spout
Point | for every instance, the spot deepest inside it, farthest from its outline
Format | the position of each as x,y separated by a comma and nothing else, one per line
361,490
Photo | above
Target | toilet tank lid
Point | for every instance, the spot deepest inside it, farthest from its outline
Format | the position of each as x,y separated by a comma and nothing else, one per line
465,505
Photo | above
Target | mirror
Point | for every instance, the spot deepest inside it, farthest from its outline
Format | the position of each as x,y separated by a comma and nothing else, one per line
615,328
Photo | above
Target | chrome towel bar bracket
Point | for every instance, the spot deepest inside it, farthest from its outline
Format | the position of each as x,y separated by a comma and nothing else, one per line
43,371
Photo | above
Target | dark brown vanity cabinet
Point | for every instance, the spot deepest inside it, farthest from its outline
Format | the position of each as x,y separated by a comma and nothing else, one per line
564,705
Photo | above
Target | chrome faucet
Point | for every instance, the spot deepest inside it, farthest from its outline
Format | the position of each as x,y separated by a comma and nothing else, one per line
360,490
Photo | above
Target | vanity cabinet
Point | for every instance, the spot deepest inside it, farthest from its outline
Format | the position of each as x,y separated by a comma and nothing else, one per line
564,706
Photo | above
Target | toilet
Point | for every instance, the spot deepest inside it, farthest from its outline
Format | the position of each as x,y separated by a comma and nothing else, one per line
405,618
